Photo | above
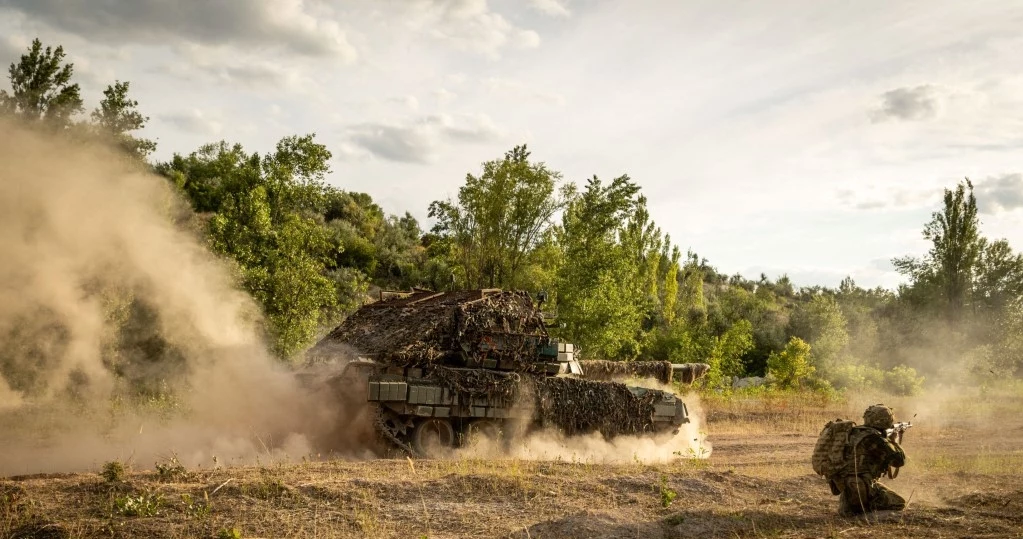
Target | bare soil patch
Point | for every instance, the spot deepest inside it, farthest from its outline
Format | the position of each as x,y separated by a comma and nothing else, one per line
962,480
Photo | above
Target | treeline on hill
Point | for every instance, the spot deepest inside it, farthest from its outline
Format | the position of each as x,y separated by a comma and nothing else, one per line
310,252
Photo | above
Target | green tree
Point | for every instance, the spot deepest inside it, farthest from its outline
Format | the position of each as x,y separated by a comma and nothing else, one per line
265,215
821,324
692,300
734,302
951,262
354,250
641,242
357,209
279,265
791,365
499,218
398,251
862,310
725,358
999,275
293,175
41,88
669,305
600,287
117,116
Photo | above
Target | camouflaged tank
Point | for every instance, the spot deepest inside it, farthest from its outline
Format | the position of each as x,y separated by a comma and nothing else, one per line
440,368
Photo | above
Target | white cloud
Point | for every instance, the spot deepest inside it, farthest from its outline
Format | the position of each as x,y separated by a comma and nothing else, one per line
470,25
194,121
999,194
871,197
238,69
418,141
297,26
467,127
908,104
404,144
553,8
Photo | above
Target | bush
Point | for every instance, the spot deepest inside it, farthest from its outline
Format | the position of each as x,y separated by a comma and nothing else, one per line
170,469
791,365
903,380
667,493
142,505
199,510
113,471
856,376
819,385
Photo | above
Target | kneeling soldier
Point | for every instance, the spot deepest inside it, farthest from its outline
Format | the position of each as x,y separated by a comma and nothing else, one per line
869,455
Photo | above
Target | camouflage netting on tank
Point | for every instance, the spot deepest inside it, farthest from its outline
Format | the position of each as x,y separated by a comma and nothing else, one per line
494,326
478,382
599,369
426,327
687,373
577,406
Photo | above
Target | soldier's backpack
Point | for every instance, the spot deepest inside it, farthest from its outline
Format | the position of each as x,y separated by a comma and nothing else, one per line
828,453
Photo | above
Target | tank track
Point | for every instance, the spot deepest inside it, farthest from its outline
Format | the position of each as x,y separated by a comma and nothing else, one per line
389,435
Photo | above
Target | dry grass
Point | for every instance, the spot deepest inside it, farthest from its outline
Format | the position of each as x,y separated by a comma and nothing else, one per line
961,481
773,413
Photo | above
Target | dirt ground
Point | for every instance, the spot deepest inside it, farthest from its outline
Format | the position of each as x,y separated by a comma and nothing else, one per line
962,480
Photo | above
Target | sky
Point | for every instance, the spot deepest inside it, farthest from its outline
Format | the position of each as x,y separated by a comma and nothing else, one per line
810,138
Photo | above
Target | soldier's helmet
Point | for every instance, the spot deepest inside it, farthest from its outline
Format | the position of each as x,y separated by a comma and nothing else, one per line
879,416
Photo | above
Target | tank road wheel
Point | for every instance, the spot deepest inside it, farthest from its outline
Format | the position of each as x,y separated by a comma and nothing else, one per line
483,429
432,437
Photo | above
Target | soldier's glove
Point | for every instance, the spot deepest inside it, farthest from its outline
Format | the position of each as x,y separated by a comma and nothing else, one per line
898,449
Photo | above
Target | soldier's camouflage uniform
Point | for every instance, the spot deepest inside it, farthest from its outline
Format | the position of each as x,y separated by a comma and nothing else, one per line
868,456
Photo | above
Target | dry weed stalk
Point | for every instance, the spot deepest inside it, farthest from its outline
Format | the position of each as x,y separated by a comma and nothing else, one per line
422,497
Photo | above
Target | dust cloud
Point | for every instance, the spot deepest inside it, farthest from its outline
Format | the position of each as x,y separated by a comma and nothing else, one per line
690,442
549,444
105,288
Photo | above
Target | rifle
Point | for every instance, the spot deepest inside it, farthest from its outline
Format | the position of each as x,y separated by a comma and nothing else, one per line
894,433
897,430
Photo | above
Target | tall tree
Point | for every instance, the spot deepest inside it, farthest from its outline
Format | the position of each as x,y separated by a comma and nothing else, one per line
669,305
41,87
500,216
117,116
601,290
642,242
951,262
